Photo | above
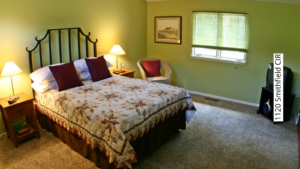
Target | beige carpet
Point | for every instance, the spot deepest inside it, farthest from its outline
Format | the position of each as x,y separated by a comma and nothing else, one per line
220,135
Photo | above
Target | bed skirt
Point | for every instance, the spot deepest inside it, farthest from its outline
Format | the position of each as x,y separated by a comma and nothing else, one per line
142,146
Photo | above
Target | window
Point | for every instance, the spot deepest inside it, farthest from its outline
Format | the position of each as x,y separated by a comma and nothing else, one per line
220,36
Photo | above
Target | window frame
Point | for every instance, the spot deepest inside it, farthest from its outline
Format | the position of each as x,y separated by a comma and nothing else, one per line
218,57
219,49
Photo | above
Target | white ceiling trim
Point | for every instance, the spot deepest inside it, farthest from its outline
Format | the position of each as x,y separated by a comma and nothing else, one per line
155,0
297,2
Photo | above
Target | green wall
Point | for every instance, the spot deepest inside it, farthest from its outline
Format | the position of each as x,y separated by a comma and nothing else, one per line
273,28
111,22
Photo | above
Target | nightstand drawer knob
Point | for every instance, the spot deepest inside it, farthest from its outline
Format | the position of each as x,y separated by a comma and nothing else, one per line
20,111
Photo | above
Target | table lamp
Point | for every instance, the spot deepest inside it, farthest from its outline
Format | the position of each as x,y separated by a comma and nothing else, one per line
10,69
117,50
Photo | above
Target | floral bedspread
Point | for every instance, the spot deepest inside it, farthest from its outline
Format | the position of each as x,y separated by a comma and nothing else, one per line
110,113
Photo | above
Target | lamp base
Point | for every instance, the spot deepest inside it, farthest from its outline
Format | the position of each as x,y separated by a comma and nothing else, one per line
13,99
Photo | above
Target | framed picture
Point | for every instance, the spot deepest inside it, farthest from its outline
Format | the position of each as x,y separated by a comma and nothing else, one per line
168,29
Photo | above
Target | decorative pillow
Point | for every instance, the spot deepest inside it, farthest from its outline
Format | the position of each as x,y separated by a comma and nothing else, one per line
152,68
81,64
43,74
42,87
66,76
98,68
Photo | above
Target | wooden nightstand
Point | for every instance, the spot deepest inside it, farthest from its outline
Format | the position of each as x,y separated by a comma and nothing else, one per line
22,107
127,73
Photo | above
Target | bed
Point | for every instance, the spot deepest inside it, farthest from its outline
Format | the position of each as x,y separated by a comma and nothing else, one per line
113,122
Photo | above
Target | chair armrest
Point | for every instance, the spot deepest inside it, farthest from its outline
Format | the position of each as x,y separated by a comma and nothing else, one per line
142,71
168,71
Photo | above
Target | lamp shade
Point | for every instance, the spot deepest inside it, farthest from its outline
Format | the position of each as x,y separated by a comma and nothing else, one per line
10,69
117,50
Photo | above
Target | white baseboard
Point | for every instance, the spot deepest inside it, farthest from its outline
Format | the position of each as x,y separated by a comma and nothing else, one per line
224,98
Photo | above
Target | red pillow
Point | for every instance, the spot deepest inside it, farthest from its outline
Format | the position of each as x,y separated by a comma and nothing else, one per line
98,68
65,76
152,68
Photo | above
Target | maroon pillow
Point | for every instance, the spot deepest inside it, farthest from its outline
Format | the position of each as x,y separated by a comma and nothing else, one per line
66,76
98,68
152,68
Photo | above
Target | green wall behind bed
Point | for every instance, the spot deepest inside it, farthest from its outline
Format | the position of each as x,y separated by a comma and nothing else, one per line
112,22
273,27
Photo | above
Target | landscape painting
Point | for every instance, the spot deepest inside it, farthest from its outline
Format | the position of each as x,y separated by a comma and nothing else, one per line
168,29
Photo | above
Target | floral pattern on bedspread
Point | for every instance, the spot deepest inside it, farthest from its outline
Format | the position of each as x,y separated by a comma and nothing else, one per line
109,114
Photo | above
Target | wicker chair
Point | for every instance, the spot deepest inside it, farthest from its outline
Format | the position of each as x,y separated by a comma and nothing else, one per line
160,79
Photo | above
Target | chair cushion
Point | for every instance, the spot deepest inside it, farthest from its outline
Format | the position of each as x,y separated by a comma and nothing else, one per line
159,79
152,68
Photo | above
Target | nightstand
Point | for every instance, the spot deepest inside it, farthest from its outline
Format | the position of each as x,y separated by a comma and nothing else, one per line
127,73
22,107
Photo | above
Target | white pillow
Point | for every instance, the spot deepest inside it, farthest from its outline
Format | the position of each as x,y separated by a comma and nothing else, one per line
85,75
82,66
43,74
42,87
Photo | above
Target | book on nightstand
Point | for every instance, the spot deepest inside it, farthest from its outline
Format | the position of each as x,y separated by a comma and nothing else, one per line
23,131
19,125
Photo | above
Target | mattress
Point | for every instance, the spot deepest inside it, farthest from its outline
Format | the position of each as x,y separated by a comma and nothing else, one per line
111,113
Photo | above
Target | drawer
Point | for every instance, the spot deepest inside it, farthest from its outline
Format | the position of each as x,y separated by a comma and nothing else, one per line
20,110
128,75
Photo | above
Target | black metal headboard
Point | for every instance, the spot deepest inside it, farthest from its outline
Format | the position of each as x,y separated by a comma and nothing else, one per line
39,44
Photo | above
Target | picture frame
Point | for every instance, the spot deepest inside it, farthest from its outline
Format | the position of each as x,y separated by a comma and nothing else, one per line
168,29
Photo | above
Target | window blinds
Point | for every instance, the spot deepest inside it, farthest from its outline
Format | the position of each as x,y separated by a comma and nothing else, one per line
225,31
